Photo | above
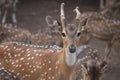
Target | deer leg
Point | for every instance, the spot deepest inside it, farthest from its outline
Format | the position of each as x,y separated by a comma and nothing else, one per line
115,13
117,47
3,17
0,17
27,40
0,14
102,4
14,20
108,49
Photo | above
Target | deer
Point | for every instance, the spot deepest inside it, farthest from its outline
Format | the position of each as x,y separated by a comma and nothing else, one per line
11,33
100,27
46,38
50,36
91,66
7,6
30,62
7,75
104,31
108,6
93,70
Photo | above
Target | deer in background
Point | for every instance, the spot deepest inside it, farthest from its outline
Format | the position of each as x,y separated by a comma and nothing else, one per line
50,36
109,6
7,75
92,69
36,63
91,66
100,27
7,6
10,33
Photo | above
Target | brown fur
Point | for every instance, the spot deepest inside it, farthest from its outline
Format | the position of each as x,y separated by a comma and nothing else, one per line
102,28
31,62
10,33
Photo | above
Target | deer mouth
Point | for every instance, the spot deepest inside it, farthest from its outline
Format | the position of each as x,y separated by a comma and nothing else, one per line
70,57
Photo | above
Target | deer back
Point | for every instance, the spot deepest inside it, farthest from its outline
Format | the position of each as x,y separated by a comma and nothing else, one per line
18,58
9,33
48,37
101,26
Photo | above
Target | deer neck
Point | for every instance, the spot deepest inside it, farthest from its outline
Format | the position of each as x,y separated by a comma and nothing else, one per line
66,69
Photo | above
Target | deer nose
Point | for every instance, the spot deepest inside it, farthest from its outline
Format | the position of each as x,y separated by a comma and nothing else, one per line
72,49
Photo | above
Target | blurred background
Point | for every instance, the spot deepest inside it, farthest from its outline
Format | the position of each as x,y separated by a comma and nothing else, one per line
31,15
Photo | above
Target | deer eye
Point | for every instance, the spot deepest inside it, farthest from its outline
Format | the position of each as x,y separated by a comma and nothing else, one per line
63,34
78,34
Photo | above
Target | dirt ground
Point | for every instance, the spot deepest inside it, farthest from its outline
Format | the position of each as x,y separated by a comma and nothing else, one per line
31,15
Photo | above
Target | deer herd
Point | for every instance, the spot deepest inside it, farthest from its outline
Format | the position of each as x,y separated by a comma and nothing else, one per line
54,53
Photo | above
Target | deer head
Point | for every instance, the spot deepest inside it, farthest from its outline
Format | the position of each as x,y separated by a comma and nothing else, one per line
69,31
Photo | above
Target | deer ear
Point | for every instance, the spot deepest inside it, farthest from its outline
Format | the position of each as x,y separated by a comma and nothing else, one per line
84,23
52,23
